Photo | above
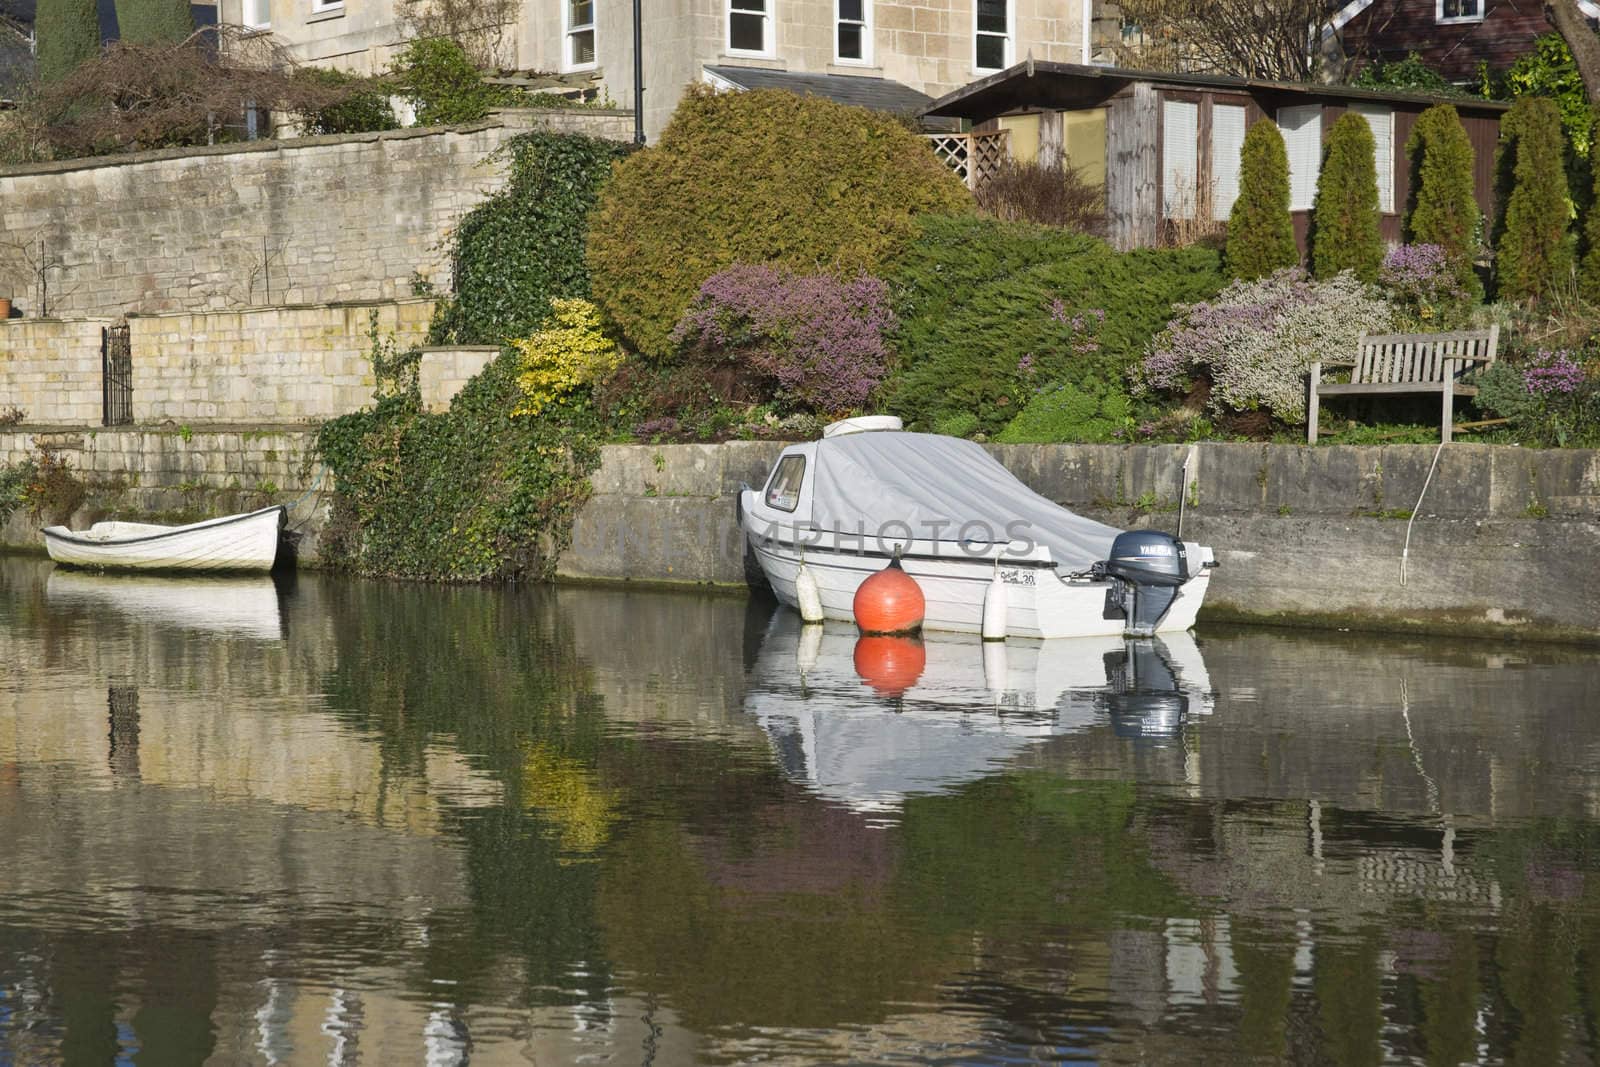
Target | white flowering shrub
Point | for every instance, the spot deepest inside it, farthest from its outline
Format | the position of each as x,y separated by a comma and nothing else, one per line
1255,341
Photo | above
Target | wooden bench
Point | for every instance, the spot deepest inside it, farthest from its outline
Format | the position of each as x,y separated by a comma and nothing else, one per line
1395,363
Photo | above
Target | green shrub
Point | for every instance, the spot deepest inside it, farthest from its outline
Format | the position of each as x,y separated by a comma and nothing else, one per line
525,245
991,311
1441,209
1344,233
471,494
957,424
362,105
1260,232
1410,75
1589,269
1068,412
1548,70
1532,254
151,21
757,177
1549,397
442,85
67,32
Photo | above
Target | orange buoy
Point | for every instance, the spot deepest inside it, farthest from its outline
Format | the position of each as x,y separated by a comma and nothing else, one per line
889,602
891,665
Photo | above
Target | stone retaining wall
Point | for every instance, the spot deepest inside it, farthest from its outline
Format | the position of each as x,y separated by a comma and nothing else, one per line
304,221
50,368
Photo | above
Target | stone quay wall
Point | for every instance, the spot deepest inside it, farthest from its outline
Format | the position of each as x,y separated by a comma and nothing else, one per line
1504,544
310,220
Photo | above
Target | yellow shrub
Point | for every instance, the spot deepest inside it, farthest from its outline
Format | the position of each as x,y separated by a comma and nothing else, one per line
569,353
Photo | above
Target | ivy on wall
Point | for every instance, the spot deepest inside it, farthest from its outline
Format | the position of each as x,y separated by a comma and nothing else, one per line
525,245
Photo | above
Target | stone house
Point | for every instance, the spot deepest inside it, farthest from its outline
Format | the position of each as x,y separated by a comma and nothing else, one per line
1167,146
891,54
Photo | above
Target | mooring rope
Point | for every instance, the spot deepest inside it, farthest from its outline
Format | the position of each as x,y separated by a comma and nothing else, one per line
316,487
1405,552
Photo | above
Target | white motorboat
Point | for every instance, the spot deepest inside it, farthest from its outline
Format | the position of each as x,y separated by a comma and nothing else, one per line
247,542
866,721
968,532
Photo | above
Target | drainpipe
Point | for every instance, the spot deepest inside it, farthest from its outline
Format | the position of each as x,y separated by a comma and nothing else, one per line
638,75
1088,21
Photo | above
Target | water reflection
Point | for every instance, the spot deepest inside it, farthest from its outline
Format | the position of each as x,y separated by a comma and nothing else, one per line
865,721
244,606
513,826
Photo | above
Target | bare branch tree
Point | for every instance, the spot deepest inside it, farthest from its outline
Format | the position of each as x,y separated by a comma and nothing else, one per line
478,26
1276,40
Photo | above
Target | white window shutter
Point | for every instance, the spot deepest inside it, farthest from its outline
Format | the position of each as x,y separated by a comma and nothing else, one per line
1381,119
1180,148
1227,144
1302,136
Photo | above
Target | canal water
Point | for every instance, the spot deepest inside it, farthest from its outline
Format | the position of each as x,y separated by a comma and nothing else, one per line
337,822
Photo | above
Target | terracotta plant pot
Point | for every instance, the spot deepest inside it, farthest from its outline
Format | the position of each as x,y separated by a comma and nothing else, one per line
5,307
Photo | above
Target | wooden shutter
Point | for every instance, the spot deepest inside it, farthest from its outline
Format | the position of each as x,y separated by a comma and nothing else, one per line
1302,136
1180,158
1227,142
1381,119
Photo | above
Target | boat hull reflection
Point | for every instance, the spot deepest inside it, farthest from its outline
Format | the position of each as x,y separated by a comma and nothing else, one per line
238,607
866,725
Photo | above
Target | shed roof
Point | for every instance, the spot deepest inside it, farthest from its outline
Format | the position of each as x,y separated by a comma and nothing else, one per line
1035,84
879,94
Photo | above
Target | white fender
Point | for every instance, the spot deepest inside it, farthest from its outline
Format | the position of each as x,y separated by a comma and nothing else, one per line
995,669
809,649
807,595
996,608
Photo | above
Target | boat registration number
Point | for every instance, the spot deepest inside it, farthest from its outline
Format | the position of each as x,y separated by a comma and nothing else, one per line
1018,577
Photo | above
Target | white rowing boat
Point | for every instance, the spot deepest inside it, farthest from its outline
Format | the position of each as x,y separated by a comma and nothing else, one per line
247,542
971,535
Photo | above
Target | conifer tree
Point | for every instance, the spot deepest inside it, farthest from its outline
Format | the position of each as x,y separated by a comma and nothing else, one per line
1344,233
154,21
67,33
1589,270
1260,232
1531,254
1442,209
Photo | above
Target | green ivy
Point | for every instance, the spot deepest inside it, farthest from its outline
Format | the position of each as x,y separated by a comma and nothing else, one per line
526,244
471,494
1408,75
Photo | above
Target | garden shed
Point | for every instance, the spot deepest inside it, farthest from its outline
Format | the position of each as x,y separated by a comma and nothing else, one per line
1167,145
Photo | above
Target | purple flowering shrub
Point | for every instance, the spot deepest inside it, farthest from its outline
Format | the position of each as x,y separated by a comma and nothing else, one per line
1423,282
1550,397
808,342
1254,342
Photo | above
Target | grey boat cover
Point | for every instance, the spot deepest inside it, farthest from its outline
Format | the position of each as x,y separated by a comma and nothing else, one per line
945,489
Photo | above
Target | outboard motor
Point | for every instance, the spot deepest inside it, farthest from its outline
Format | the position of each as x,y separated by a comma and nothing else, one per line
1146,568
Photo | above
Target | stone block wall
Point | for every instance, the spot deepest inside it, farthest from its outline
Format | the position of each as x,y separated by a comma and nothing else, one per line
302,221
50,368
444,370
288,364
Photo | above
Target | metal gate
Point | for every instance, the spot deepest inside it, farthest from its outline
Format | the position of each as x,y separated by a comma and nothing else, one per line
116,371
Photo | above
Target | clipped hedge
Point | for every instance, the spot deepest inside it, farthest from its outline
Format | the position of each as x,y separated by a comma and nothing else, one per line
990,312
524,246
66,32
766,176
149,21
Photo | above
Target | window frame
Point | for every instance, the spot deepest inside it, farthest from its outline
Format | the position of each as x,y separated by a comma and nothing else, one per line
768,29
1009,46
1442,19
323,7
569,31
772,483
865,22
264,23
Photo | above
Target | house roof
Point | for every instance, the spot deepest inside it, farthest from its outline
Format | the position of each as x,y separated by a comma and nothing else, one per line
1072,86
878,94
